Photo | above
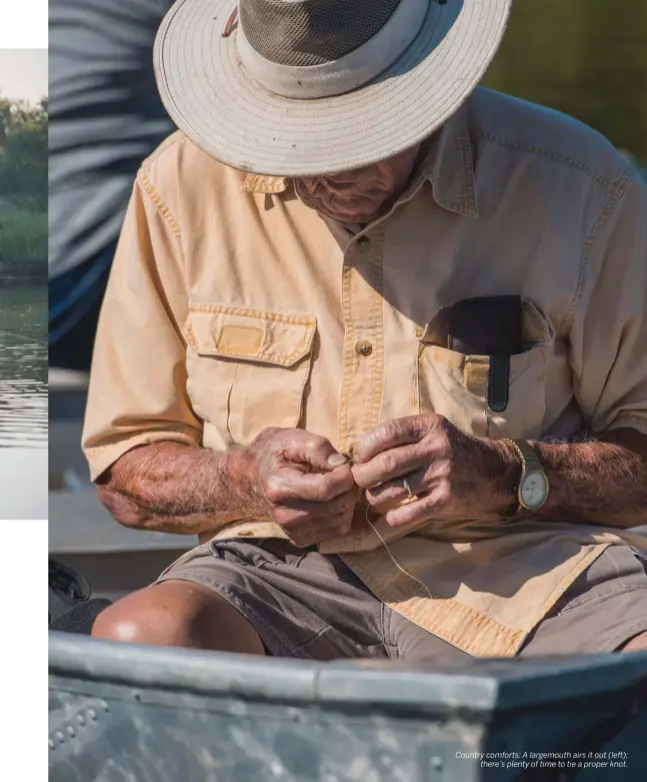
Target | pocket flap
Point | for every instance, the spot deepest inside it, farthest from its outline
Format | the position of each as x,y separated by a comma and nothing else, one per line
249,335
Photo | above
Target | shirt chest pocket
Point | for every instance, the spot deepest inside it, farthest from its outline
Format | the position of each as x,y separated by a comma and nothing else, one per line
455,385
247,369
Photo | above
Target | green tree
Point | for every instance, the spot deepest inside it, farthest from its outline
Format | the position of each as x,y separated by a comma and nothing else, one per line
586,58
23,154
23,188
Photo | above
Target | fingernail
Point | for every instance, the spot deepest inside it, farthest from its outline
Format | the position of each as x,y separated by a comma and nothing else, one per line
336,460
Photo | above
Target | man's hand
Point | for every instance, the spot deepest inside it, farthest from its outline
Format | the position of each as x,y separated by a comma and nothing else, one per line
304,484
452,474
295,478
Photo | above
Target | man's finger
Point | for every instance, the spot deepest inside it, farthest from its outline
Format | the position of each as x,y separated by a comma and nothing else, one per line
292,484
305,448
420,482
318,530
433,505
389,465
400,431
319,510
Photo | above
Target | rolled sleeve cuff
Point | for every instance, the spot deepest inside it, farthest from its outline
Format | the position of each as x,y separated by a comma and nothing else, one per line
101,457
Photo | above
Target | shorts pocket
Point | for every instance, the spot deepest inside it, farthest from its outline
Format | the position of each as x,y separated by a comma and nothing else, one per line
455,385
618,569
247,369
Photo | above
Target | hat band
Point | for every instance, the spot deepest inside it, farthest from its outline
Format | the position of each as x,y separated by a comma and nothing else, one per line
342,75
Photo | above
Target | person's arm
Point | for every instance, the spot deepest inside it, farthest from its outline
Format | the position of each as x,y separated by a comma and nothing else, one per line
456,475
183,489
605,480
288,476
137,394
602,481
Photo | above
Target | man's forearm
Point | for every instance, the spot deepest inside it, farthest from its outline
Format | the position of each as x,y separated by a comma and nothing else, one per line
170,487
601,481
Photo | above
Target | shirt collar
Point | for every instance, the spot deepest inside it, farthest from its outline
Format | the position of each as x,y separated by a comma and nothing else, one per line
449,168
451,172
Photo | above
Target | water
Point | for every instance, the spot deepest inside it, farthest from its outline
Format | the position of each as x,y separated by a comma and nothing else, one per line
23,400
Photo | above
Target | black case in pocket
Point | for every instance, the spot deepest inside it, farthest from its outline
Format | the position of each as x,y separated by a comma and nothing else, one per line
489,326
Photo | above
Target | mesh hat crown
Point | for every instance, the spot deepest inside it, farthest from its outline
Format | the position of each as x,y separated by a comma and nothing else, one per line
312,32
306,87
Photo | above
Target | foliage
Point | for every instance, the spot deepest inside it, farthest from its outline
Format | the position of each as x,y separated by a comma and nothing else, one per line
23,240
23,154
23,187
583,57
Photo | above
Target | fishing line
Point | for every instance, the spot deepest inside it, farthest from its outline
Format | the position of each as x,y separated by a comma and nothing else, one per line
395,561
350,458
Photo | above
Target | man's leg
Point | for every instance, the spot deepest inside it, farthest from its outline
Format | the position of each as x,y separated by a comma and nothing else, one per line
254,596
637,644
178,613
604,610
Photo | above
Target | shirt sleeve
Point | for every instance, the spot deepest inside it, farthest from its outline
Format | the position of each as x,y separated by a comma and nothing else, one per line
609,333
137,392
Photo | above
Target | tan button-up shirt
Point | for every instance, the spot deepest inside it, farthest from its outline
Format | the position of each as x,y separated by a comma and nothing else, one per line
233,307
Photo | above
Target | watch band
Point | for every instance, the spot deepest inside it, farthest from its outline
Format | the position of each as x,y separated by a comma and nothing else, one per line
528,455
530,463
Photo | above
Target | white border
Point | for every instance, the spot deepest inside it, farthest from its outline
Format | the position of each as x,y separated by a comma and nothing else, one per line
23,24
23,653
23,596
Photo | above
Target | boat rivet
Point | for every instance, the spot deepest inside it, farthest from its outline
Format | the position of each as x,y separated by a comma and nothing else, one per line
51,744
71,731
60,736
92,714
436,763
81,719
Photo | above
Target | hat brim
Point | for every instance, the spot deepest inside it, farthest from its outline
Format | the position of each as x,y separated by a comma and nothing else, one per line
212,100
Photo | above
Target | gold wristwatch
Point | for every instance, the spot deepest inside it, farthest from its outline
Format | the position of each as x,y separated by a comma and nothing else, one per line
532,491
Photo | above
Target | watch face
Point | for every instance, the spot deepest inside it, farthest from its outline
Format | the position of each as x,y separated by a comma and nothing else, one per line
534,491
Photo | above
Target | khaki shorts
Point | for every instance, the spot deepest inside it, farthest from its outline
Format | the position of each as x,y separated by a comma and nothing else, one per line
307,605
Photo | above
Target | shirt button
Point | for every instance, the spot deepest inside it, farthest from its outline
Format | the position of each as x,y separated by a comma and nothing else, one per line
364,347
363,243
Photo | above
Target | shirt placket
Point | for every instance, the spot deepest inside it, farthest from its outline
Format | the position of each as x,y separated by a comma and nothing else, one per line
363,369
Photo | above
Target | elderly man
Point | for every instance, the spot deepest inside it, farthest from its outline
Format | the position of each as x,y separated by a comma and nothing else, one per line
404,406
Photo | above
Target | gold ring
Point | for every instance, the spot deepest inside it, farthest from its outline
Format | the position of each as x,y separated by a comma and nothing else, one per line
407,486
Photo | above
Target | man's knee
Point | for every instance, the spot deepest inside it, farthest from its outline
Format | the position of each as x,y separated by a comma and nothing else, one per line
177,613
115,624
145,617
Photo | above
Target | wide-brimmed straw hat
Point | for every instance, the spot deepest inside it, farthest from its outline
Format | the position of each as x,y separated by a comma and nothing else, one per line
304,87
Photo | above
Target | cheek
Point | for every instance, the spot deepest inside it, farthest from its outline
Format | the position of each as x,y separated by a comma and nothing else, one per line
379,178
